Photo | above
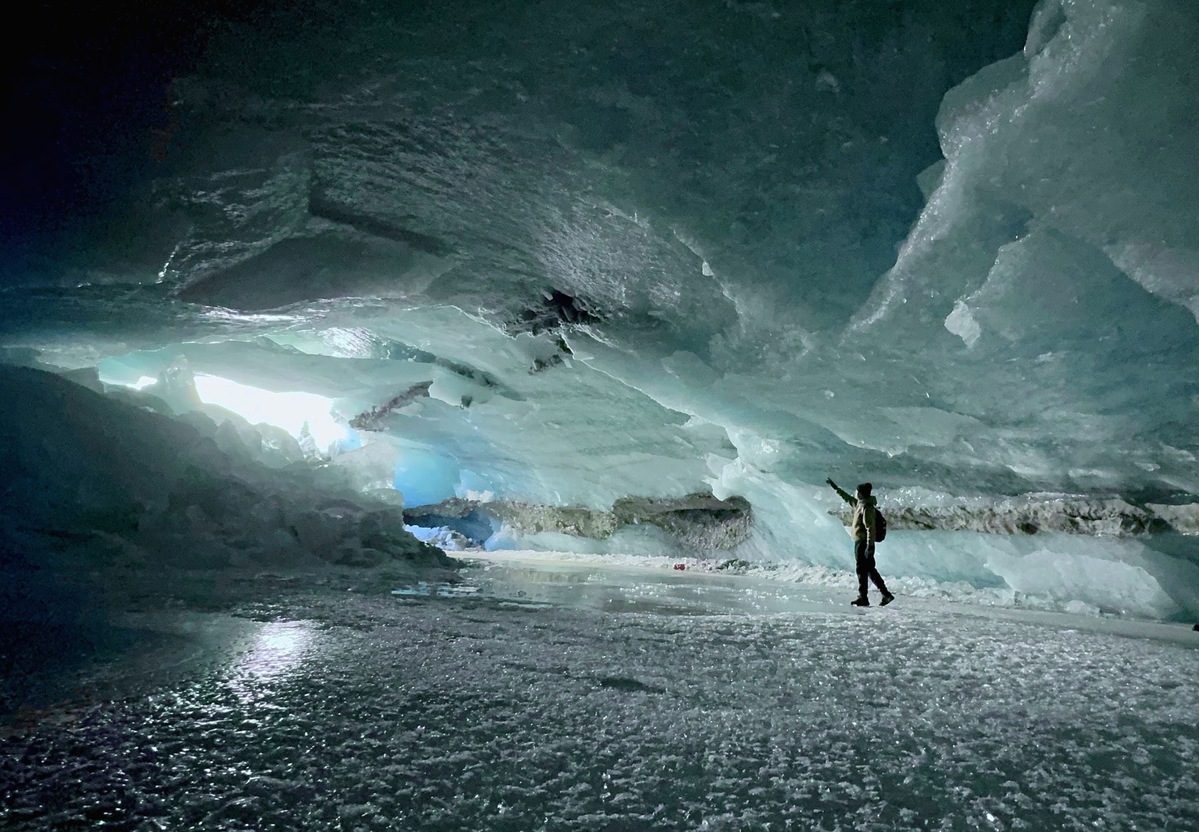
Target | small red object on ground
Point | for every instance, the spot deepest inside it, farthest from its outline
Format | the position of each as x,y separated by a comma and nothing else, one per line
680,566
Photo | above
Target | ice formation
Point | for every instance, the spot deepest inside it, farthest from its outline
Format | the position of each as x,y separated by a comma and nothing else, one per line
94,481
572,256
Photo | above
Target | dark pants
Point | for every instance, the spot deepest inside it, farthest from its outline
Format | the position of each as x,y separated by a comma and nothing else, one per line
866,568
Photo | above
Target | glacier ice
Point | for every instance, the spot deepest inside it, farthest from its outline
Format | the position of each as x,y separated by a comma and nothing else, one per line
566,258
593,297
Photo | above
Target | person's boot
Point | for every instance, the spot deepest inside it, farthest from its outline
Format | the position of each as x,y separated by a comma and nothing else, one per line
887,599
861,601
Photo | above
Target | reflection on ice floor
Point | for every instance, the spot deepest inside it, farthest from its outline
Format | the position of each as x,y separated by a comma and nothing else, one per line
577,698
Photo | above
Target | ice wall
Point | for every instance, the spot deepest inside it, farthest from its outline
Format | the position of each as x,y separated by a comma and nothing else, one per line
1078,142
567,255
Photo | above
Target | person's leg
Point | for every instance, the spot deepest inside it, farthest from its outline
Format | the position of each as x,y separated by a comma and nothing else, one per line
864,565
874,576
878,579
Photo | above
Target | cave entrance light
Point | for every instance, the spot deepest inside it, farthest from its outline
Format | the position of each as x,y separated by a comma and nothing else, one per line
289,411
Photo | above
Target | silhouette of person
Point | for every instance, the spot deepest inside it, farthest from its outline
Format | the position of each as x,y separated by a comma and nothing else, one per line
863,542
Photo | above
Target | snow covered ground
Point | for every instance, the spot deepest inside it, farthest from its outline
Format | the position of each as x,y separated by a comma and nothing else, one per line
542,695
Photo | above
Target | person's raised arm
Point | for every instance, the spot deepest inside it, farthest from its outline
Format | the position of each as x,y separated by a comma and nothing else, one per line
845,495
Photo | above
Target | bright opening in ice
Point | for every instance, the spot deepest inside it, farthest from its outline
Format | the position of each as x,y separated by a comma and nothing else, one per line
293,412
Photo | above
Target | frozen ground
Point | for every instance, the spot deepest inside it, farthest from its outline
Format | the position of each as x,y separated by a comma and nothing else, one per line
541,695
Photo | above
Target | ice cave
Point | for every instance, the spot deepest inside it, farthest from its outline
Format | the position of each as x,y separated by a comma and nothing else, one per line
417,415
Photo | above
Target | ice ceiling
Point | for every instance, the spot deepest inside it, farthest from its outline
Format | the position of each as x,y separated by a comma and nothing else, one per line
565,253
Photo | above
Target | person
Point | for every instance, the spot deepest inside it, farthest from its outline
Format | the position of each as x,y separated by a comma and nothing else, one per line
863,536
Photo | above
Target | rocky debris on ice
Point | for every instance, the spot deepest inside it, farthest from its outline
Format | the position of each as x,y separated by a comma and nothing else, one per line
1033,514
699,521
373,419
1183,519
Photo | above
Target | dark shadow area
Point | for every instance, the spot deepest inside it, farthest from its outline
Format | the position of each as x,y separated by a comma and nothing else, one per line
87,108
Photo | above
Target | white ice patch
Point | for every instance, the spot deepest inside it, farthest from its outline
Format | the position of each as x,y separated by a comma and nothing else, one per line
1112,586
962,324
424,589
827,82
442,537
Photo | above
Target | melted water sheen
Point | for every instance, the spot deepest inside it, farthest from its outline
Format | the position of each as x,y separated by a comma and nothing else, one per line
555,697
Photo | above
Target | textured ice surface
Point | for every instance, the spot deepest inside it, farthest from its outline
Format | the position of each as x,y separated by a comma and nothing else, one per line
571,698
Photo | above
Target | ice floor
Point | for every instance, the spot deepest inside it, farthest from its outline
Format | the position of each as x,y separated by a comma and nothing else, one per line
549,696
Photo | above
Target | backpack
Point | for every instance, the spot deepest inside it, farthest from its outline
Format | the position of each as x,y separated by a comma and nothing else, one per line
880,526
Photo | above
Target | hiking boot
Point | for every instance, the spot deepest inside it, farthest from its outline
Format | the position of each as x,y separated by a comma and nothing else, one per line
861,601
887,599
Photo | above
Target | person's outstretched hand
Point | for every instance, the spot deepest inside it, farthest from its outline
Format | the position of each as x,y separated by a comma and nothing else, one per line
830,482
